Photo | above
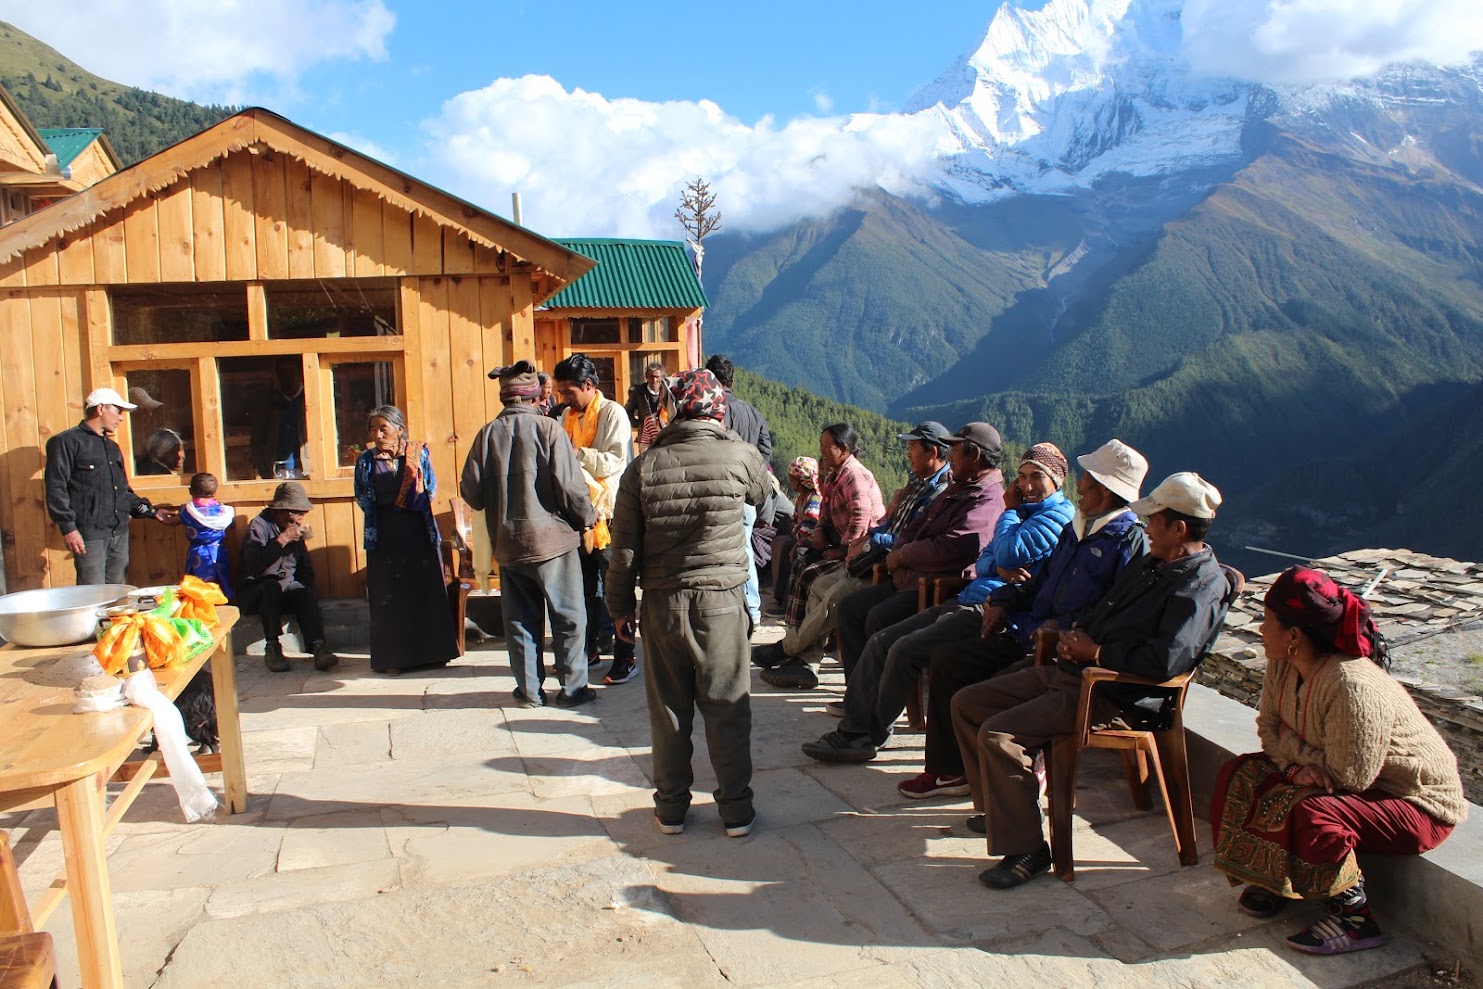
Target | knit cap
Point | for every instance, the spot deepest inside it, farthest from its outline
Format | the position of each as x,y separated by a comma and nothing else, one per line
1049,458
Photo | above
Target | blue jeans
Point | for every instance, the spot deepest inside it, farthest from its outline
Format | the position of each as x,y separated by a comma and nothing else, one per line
752,590
555,587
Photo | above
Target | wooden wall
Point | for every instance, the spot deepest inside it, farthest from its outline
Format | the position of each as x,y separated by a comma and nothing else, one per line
246,218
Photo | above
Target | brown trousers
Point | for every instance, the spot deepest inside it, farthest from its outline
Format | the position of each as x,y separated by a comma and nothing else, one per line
1000,724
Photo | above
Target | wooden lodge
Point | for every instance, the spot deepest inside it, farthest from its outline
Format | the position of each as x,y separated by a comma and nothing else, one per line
641,303
209,281
33,174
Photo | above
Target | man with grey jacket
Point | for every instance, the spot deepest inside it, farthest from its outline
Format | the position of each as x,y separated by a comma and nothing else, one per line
524,475
678,525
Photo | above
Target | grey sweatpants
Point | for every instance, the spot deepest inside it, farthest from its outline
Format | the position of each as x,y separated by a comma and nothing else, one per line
696,649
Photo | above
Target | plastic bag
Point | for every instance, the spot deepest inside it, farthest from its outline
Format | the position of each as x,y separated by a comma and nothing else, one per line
196,799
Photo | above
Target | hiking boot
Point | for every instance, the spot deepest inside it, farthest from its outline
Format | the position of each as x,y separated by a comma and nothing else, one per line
931,785
769,655
323,658
1016,870
273,658
794,674
836,746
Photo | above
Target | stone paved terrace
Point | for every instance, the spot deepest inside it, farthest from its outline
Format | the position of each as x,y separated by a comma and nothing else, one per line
417,832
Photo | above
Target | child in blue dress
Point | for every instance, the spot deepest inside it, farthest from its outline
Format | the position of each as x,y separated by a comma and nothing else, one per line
206,522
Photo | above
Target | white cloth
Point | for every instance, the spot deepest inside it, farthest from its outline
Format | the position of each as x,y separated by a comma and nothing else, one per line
196,799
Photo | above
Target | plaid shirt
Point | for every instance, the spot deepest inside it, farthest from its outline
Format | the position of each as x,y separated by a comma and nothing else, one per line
851,503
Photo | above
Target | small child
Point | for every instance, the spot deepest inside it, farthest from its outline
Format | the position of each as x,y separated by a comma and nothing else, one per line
206,522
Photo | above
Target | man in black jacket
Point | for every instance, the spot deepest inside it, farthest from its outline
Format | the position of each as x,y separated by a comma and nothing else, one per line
744,420
87,494
278,576
1156,621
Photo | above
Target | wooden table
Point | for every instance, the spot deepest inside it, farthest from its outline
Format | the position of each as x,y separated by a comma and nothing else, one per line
47,753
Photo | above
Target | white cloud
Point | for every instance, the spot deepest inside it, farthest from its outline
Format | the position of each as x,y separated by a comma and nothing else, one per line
1314,41
225,50
365,146
585,164
823,102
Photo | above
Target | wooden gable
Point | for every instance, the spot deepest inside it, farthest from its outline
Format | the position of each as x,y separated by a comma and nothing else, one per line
21,148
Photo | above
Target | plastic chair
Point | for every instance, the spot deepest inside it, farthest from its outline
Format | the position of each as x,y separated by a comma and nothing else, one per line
1157,752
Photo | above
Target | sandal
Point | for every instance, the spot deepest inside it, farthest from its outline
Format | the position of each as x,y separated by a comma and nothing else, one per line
1261,903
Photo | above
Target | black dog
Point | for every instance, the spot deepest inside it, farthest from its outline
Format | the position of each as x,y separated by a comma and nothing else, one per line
197,705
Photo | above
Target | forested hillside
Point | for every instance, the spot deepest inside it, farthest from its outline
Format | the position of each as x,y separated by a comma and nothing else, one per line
796,417
54,91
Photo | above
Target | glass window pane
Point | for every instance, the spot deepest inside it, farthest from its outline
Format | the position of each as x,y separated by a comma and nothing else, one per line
339,307
163,426
604,330
179,313
263,418
359,388
635,329
607,375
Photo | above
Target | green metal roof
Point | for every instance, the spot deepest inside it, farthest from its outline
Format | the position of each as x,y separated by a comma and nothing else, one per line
631,274
68,142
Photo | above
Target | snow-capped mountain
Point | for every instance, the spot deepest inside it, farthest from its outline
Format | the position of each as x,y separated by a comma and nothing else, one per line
1056,98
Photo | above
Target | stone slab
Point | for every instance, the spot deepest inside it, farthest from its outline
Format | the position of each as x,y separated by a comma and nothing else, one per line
323,840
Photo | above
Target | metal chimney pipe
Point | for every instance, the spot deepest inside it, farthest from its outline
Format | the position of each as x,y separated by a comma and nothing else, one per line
515,206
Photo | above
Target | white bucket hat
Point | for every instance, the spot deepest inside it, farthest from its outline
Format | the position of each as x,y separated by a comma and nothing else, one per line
1186,493
1117,467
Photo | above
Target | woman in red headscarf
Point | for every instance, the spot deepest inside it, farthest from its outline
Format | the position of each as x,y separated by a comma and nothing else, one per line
1348,764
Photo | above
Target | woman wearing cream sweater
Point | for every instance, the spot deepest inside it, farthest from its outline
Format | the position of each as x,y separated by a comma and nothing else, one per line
1348,764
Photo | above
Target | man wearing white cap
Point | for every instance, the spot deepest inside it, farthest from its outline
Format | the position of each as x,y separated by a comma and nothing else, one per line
87,494
1156,621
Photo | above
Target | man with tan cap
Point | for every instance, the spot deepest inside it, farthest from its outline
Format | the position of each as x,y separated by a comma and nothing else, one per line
1156,621
1104,536
87,494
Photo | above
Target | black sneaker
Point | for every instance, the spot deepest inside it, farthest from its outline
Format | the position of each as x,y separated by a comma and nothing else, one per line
1016,870
586,695
623,671
794,674
768,655
667,826
742,829
595,660
836,746
1340,933
323,658
273,658
605,644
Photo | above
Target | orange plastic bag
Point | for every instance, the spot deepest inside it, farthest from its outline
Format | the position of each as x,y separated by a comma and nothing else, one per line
198,599
163,646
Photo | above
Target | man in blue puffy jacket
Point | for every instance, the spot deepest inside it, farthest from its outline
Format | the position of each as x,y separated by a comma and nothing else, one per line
890,665
1102,539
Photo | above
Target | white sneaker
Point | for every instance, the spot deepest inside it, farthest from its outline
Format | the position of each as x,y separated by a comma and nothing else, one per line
741,830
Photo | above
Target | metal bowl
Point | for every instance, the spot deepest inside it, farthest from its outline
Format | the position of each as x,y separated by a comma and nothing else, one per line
57,616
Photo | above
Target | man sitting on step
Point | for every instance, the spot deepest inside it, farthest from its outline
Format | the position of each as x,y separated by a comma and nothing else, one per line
277,577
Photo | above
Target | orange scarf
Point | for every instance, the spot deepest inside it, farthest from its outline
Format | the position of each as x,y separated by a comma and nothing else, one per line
581,429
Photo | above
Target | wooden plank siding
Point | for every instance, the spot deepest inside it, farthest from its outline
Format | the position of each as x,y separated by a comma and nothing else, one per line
248,220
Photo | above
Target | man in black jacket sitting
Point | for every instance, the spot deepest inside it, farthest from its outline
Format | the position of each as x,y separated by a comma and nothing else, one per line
1156,621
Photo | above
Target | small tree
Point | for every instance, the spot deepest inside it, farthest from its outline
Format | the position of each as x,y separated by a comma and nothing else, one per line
699,216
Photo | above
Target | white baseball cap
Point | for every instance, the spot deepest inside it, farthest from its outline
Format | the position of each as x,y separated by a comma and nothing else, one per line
107,396
1186,493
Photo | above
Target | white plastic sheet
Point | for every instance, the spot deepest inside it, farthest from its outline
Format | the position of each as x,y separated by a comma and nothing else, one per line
196,799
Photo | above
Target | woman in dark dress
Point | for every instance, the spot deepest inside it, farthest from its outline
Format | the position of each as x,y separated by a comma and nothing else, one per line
411,619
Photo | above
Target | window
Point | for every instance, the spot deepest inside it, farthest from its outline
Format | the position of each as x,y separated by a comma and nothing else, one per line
163,426
344,307
264,422
179,314
604,330
607,375
658,329
358,388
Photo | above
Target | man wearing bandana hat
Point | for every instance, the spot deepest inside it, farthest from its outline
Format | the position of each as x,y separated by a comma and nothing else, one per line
523,474
678,525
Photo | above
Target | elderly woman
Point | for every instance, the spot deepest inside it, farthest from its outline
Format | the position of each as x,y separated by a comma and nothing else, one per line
411,619
164,453
803,478
1348,764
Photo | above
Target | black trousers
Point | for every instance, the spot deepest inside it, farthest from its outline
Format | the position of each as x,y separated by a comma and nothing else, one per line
953,667
271,602
865,613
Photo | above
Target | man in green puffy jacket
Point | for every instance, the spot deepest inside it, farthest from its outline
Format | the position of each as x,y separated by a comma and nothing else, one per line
678,524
